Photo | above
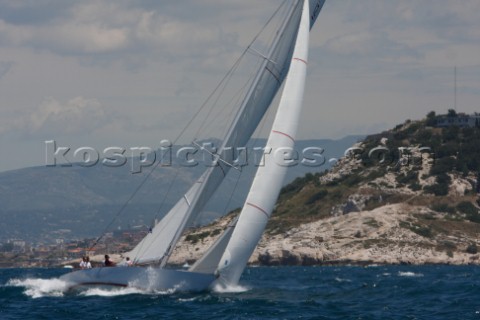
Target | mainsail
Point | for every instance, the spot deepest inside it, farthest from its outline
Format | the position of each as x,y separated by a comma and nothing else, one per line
157,246
225,260
268,180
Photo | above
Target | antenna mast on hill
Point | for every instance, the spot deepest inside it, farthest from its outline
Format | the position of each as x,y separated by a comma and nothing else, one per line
455,88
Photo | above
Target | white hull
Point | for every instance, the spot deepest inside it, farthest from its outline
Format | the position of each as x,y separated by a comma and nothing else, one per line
155,279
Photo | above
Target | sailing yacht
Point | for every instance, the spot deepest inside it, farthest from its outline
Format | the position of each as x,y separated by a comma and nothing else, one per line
224,262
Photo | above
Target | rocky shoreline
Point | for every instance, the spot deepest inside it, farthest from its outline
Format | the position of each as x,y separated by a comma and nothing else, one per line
380,236
375,215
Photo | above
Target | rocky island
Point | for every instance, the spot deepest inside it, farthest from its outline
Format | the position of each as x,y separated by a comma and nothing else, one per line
405,196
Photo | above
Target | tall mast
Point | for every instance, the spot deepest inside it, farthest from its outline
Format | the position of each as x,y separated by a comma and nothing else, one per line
158,245
455,88
246,121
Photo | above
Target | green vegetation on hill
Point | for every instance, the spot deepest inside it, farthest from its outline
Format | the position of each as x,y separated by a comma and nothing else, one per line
422,158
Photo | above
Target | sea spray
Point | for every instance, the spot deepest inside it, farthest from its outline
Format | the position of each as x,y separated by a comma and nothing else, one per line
230,288
37,288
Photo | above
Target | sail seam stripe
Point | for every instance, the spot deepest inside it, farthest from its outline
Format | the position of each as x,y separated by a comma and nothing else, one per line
186,199
283,133
257,207
301,60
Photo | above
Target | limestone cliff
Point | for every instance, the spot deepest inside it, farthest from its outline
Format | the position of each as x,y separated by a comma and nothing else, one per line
407,195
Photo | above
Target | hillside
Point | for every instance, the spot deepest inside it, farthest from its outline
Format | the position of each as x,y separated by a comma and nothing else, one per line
407,195
48,203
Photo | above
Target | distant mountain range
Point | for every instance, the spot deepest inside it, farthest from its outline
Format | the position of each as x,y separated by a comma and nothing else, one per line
46,203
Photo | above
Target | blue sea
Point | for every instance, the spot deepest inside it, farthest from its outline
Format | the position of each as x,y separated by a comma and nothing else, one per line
375,292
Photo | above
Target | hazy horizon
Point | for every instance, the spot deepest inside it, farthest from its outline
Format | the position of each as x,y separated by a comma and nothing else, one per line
123,73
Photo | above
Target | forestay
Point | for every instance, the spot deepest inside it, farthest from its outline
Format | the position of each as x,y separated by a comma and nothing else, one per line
157,246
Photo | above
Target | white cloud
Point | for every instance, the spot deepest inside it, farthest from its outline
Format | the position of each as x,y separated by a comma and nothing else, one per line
85,38
14,35
68,37
371,62
116,27
52,118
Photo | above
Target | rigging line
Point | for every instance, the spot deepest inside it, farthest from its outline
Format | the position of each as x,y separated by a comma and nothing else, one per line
257,53
231,70
178,171
215,155
182,132
230,73
156,237
254,143
238,97
232,135
162,203
224,84
218,114
260,127
194,142
169,189
232,193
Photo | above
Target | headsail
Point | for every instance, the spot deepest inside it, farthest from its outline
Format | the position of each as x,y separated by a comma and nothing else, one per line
268,180
235,246
209,262
158,245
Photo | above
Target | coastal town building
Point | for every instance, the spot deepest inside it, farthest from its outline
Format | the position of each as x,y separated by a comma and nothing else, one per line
458,119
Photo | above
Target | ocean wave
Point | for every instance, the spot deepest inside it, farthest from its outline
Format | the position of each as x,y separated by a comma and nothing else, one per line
38,288
101,292
230,288
409,274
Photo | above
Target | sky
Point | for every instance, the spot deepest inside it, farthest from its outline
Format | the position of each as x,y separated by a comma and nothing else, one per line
129,73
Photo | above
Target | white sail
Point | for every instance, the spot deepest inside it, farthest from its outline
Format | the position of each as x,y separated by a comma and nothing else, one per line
269,178
158,245
209,262
235,246
155,244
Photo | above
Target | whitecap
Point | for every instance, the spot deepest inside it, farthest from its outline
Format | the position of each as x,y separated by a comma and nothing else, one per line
112,292
37,288
188,299
342,280
229,288
131,289
409,274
